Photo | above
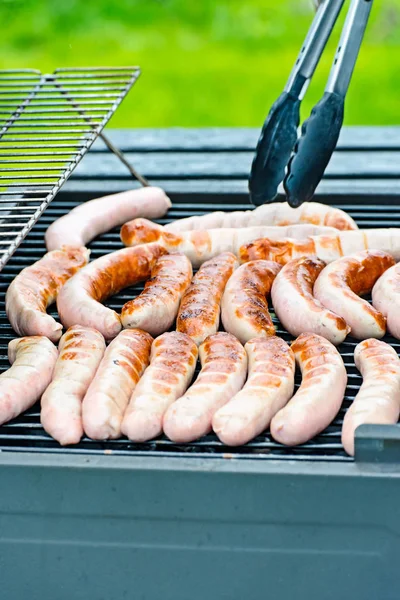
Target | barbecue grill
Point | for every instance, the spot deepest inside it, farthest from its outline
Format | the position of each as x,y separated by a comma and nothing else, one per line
202,520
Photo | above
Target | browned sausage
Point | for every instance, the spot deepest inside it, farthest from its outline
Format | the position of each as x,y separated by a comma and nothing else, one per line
244,307
199,311
155,309
79,302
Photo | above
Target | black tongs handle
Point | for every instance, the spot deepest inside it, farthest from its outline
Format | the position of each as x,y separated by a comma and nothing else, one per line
314,149
279,133
320,132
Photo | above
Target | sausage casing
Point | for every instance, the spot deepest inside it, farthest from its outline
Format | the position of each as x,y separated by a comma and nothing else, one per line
268,388
36,287
155,309
244,306
108,395
378,400
296,307
32,359
172,364
80,352
340,284
79,302
319,398
199,311
224,367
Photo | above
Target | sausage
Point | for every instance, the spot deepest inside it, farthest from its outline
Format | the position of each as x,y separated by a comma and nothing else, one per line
296,307
223,373
327,247
378,400
340,284
172,363
155,309
386,298
199,312
90,219
80,352
78,303
268,388
108,395
37,286
244,306
319,398
276,213
32,359
200,246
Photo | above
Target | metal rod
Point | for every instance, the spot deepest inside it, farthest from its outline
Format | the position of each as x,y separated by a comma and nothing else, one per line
113,148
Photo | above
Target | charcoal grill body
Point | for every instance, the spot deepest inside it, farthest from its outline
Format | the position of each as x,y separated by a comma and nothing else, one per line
118,521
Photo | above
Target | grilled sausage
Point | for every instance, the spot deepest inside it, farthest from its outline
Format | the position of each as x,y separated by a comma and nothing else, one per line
328,247
378,400
37,286
81,350
296,307
92,218
341,283
32,359
268,388
199,311
276,213
386,298
79,301
155,309
108,395
172,363
224,366
318,400
244,307
200,246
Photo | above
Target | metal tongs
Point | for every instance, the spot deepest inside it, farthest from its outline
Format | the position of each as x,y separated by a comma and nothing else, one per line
306,158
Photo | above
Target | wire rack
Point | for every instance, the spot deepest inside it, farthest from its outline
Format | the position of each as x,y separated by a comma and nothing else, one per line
47,124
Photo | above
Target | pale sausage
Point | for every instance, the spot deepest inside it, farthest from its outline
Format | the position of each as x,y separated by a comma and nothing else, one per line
319,398
276,213
81,350
108,395
172,363
268,388
224,366
378,400
90,219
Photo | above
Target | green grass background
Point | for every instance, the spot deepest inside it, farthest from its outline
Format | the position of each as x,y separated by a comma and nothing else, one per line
204,62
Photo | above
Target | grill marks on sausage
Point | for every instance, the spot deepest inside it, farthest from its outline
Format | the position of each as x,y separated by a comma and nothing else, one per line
357,276
119,371
199,310
280,251
269,386
172,364
124,271
244,304
250,299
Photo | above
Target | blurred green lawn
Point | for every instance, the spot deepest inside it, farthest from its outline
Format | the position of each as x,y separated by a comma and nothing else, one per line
204,62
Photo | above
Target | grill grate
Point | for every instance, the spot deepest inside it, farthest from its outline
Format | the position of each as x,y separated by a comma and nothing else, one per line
25,433
47,124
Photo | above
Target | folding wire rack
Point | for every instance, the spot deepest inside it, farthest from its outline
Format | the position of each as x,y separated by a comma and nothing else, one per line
47,124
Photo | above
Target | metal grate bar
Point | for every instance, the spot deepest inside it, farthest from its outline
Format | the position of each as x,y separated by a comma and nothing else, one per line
87,97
